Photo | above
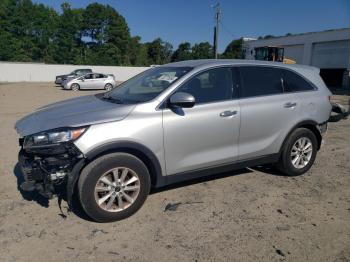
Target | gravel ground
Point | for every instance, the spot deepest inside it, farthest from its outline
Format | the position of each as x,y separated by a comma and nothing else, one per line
248,215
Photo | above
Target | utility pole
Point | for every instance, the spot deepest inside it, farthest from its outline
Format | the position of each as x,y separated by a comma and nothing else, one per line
216,28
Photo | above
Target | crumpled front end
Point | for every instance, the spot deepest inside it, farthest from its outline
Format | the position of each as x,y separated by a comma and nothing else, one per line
45,168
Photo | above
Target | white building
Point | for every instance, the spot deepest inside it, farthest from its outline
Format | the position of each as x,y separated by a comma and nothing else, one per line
329,50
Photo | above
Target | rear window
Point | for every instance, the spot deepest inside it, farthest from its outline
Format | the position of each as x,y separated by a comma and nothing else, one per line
100,76
295,83
260,81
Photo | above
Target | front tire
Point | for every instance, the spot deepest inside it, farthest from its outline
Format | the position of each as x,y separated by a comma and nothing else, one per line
113,187
298,153
108,87
75,87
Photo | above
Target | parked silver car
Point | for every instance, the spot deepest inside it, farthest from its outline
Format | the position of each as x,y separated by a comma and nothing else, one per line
76,73
214,116
91,81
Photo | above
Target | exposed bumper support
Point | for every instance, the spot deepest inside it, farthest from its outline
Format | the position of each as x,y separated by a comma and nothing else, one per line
45,172
338,113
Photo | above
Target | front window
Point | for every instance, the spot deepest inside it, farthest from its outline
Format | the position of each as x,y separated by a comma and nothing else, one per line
213,85
147,85
89,76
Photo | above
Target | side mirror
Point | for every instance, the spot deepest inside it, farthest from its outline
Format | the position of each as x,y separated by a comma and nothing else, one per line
182,99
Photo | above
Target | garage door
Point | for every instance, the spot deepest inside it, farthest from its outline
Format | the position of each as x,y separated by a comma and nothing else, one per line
331,54
294,52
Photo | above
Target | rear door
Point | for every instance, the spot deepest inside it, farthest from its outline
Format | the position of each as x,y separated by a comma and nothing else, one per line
100,81
267,112
313,104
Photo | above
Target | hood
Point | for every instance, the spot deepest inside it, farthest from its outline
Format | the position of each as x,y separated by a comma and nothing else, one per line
67,75
81,111
61,76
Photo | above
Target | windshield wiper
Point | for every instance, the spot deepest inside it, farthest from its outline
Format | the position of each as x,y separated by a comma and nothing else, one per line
113,99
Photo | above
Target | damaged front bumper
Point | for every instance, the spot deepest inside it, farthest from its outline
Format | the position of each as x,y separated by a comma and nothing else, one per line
46,169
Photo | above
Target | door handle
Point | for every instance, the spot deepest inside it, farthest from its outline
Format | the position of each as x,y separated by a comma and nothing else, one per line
290,105
228,113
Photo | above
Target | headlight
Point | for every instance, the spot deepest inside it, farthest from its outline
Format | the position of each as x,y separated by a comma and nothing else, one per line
53,137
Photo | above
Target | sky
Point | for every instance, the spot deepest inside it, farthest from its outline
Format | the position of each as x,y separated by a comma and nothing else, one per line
192,21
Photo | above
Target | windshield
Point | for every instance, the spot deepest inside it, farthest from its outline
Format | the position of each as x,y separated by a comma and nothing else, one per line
147,85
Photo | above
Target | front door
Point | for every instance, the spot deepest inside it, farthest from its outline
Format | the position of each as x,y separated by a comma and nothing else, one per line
207,134
87,81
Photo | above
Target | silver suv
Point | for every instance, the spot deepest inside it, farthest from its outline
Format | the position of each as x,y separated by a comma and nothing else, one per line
206,117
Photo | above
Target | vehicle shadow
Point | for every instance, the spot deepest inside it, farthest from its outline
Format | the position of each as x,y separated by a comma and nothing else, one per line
44,202
78,210
201,180
83,90
269,169
29,196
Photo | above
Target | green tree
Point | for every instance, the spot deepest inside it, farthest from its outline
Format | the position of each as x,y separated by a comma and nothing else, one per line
67,39
202,51
233,50
183,52
118,34
7,39
137,52
25,30
104,27
159,52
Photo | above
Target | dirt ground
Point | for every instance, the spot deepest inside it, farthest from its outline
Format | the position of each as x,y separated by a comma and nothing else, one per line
248,215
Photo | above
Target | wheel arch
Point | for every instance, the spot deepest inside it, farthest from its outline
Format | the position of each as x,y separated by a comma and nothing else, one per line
308,124
71,87
135,149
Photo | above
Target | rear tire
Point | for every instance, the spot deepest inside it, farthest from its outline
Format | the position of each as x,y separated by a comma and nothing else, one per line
105,191
298,153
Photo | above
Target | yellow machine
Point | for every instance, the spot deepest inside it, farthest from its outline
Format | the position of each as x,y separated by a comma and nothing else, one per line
272,53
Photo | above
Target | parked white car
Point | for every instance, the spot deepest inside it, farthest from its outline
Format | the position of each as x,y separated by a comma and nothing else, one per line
91,81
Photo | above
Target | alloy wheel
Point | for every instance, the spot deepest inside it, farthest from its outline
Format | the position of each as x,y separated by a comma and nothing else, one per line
117,189
301,152
108,87
75,87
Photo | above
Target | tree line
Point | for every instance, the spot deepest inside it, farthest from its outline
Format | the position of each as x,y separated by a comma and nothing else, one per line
95,35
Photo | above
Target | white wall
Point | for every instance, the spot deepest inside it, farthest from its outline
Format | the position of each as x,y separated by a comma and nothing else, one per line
35,72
